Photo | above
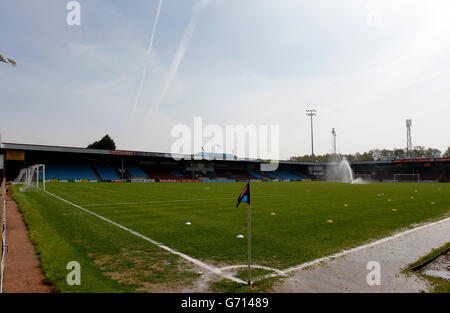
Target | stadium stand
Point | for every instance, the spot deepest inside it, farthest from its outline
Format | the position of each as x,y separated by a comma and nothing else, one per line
285,175
255,174
222,174
176,174
107,172
241,175
270,175
69,172
135,171
161,174
303,176
444,176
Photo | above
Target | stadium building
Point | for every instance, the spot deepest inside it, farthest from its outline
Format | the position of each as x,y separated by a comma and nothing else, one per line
72,164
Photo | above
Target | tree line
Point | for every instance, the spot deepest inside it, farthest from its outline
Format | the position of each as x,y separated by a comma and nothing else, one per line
377,154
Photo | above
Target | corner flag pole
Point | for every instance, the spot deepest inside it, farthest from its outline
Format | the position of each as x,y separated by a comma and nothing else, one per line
249,226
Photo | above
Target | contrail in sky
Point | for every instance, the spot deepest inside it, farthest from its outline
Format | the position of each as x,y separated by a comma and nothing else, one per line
149,52
180,52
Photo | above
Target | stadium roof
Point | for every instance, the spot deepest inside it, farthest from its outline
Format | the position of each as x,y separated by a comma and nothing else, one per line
197,156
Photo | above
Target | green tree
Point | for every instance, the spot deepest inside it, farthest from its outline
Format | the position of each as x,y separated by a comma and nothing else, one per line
399,153
418,151
106,143
447,153
432,152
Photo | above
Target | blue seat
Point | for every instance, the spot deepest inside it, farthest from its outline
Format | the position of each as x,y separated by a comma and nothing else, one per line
66,172
107,172
136,171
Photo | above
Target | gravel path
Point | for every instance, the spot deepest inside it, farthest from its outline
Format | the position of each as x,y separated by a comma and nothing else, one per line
349,273
22,269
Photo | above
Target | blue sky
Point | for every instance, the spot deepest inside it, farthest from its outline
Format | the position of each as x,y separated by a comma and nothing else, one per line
245,62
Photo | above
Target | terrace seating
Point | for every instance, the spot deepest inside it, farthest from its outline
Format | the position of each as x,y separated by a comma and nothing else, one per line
135,171
303,176
176,174
445,177
289,175
160,174
270,175
219,174
255,174
241,175
107,172
69,172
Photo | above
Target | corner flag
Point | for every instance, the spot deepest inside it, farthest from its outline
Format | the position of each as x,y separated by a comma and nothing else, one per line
244,196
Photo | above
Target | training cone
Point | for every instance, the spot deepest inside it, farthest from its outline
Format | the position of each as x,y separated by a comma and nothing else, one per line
188,223
240,236
330,221
394,210
273,213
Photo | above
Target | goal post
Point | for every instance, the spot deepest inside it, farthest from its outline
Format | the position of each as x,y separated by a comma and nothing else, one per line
32,176
407,177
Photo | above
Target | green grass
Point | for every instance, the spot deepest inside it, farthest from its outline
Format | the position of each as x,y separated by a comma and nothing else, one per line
297,233
439,285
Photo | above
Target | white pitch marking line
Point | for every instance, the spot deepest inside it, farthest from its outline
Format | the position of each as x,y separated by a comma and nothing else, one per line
168,201
346,252
369,245
190,259
285,271
94,188
279,272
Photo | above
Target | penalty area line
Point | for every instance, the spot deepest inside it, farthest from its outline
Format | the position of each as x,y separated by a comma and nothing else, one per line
205,266
171,201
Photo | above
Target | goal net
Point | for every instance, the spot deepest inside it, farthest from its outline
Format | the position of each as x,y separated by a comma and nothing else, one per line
407,177
32,176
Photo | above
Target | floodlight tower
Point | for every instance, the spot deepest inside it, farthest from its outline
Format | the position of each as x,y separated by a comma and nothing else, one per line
408,137
312,113
333,132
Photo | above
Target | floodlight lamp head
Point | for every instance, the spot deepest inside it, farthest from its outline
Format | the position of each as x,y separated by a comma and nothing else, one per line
333,132
408,122
311,112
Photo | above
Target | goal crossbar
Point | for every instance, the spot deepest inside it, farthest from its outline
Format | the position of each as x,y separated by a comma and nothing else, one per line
31,176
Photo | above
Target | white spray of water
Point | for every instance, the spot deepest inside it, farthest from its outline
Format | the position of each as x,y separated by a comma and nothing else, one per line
343,173
149,52
180,52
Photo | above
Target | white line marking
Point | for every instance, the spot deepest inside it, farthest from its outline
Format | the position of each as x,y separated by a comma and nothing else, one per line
369,245
279,272
168,201
346,252
218,271
210,268
94,188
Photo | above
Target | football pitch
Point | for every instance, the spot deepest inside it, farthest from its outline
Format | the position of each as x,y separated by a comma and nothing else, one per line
292,223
